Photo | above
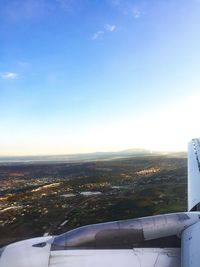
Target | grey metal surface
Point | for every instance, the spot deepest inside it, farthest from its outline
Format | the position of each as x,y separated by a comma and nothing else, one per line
143,232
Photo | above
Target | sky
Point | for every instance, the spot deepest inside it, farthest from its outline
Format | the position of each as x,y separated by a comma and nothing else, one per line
82,76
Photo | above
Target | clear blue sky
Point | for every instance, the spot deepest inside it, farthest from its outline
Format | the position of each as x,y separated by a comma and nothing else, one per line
98,75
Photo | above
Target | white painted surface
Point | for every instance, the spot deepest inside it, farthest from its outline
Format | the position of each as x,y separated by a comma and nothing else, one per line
23,254
116,258
190,246
193,174
165,257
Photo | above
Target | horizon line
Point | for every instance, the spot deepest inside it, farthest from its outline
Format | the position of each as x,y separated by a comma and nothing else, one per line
95,152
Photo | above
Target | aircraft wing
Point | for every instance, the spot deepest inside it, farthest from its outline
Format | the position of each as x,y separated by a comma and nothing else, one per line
190,239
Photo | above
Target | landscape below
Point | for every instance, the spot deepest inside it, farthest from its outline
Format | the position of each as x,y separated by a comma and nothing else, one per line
41,198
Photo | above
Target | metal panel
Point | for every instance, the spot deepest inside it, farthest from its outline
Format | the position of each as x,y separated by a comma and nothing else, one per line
25,254
125,234
153,257
190,250
193,174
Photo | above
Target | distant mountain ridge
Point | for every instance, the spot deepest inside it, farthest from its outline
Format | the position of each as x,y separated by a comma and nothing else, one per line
89,156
